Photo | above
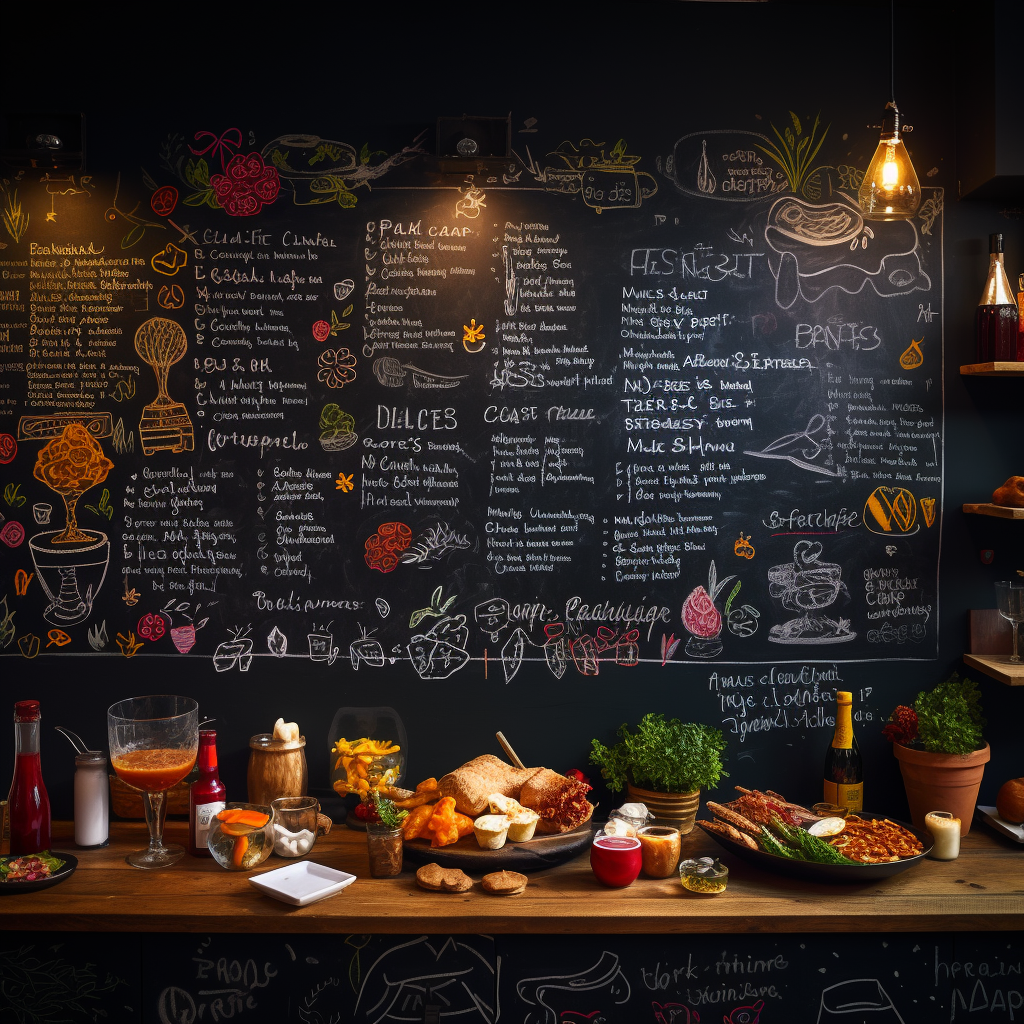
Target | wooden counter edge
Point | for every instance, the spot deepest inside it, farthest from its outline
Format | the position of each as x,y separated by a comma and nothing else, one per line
497,924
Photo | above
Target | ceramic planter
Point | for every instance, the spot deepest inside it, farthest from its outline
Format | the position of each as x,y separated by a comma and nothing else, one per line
676,809
942,782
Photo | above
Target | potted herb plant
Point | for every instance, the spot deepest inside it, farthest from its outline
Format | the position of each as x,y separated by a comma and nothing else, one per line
663,764
941,751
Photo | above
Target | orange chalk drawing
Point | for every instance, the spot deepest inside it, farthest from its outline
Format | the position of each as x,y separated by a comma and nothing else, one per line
57,637
473,336
21,581
912,356
743,548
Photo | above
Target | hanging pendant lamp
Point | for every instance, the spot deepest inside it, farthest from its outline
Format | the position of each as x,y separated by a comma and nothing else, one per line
890,189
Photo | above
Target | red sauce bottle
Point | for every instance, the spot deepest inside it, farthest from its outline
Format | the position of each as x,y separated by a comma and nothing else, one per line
28,802
205,796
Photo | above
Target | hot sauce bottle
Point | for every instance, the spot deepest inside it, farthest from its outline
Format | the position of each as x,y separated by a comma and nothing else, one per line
206,796
844,768
28,800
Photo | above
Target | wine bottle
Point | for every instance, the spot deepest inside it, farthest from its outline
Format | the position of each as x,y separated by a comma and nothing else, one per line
205,795
844,769
28,802
996,319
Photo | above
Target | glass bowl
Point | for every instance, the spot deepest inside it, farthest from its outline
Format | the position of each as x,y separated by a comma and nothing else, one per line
703,875
295,819
242,844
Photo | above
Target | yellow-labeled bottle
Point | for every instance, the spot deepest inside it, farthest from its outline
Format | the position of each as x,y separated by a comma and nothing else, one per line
844,769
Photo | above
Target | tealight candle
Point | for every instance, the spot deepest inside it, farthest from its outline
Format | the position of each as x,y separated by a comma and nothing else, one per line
945,830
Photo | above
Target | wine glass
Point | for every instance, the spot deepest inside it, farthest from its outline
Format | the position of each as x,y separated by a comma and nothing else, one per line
153,745
1010,599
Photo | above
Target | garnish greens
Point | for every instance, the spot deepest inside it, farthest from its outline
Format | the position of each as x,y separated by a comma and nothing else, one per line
388,813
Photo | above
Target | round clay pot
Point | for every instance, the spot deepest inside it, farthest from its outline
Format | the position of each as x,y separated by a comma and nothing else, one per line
942,782
676,809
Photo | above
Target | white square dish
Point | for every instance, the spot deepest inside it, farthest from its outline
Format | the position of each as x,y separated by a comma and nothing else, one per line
302,883
991,815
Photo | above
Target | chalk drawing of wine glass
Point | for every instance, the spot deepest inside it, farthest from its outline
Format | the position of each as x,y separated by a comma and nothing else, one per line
71,564
165,424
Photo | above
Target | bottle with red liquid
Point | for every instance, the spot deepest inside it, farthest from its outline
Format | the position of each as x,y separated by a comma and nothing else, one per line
996,321
206,795
28,802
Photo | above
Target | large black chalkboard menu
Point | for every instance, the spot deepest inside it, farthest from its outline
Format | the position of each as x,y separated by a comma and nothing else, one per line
585,409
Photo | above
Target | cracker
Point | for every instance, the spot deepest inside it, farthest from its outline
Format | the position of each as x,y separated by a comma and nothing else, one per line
504,883
438,879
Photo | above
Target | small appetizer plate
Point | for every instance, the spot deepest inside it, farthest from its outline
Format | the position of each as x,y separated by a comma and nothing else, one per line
66,870
302,883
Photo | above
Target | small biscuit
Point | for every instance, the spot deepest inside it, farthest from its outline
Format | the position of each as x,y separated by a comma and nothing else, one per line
438,879
504,883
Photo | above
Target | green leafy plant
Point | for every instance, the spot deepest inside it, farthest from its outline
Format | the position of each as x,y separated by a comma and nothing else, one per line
945,720
949,718
665,755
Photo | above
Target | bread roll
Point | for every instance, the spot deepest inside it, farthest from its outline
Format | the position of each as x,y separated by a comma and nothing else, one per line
1011,494
471,784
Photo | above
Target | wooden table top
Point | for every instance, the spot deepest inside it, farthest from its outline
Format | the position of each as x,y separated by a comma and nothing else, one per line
982,891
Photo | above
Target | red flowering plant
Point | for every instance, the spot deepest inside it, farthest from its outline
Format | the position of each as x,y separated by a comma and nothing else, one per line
902,726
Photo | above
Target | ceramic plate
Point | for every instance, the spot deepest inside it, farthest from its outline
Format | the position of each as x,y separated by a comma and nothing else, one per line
809,872
302,882
991,816
70,863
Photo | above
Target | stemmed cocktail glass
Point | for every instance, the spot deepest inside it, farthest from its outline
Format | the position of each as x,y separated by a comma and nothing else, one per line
1010,600
153,745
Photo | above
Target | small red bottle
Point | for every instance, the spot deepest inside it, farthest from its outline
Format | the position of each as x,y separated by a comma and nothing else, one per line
28,801
205,796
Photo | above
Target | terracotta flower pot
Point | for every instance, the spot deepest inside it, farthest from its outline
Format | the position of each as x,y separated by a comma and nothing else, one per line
942,782
677,809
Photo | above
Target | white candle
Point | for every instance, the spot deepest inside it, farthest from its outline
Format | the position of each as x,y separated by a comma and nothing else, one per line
945,830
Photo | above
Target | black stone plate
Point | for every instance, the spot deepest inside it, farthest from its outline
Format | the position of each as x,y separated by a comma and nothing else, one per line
809,872
70,863
539,853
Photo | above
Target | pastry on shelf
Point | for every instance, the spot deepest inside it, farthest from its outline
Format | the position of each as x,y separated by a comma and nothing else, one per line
1011,494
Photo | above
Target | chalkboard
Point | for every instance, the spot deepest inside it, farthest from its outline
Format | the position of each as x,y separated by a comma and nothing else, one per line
70,977
669,979
698,201
592,407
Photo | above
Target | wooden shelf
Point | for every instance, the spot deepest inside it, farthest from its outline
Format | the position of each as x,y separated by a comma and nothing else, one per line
993,369
998,667
999,511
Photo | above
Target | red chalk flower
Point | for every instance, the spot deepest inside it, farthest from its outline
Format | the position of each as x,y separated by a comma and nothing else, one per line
246,186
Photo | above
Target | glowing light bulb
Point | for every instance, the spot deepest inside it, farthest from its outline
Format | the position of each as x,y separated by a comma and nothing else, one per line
890,189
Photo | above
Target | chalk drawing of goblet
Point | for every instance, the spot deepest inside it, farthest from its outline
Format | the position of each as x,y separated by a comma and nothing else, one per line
71,564
165,424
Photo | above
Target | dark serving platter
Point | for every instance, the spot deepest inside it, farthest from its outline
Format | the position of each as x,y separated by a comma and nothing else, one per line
70,863
539,853
809,872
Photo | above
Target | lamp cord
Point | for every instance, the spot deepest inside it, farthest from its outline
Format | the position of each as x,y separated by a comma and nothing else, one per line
892,51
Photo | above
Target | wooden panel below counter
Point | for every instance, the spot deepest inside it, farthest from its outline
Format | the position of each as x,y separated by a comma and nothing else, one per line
982,891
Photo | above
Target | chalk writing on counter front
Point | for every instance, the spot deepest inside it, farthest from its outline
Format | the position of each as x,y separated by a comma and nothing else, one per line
563,417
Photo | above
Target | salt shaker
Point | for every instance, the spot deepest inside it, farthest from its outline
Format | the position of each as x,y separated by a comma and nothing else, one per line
92,799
